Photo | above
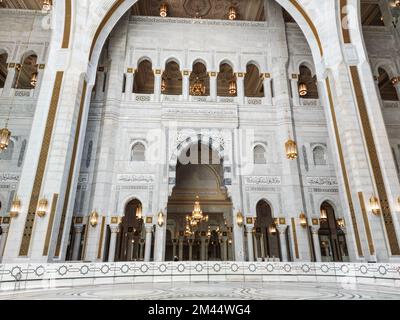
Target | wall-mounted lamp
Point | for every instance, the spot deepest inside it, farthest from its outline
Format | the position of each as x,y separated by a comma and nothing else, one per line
42,207
272,229
160,219
239,218
374,203
94,218
324,214
15,208
340,222
303,220
291,149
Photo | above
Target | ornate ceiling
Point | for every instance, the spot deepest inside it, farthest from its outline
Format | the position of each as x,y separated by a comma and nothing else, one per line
251,10
22,4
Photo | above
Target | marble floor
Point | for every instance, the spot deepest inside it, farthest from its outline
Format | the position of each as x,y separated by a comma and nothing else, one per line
212,290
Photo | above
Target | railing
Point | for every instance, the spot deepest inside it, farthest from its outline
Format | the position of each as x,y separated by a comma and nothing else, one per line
34,275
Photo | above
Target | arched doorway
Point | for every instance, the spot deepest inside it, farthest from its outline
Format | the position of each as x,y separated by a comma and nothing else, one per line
266,236
331,237
132,234
199,186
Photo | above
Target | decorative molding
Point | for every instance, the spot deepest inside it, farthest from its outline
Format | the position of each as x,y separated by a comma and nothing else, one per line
136,178
9,177
322,181
263,180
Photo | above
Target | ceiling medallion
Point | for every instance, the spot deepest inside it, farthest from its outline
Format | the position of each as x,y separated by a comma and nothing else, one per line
197,8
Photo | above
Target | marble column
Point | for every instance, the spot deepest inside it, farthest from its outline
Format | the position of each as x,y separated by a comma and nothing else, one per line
99,85
157,85
250,248
3,239
185,85
147,250
39,78
191,249
129,86
9,82
77,241
262,245
203,249
397,87
213,86
295,91
240,88
255,242
282,240
141,249
174,241
317,247
224,249
180,249
268,90
113,242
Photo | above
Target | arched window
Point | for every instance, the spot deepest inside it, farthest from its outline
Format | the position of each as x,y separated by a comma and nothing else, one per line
259,155
253,83
138,152
144,78
319,155
307,84
171,82
386,88
3,69
199,80
226,81
7,154
26,73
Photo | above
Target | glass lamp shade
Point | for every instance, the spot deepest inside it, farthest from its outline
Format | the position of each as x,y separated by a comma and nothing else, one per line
164,10
198,89
340,223
374,203
232,15
139,212
94,219
303,220
15,208
303,90
291,149
272,229
232,88
42,207
5,135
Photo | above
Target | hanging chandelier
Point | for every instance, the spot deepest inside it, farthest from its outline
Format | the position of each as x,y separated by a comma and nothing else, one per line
163,85
303,90
324,214
15,207
232,15
34,79
164,10
303,219
47,5
374,203
198,88
232,88
139,212
272,229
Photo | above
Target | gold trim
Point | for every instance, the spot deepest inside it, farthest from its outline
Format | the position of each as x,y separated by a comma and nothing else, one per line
67,24
282,220
296,244
344,172
149,220
343,15
37,185
50,224
78,220
366,223
103,222
374,160
71,171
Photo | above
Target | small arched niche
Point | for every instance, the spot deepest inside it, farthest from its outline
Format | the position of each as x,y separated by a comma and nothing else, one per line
199,80
144,78
3,69
226,81
307,83
253,82
386,87
171,83
26,73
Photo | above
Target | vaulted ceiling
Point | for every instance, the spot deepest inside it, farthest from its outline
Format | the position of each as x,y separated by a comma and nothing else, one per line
22,4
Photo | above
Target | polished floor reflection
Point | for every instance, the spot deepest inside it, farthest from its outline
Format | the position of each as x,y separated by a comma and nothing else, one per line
213,290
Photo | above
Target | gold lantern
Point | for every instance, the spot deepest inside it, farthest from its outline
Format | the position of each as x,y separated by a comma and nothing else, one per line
232,88
374,203
324,214
42,207
139,214
163,85
5,135
15,208
94,218
397,3
232,15
303,90
34,79
303,220
291,149
164,10
239,219
160,219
